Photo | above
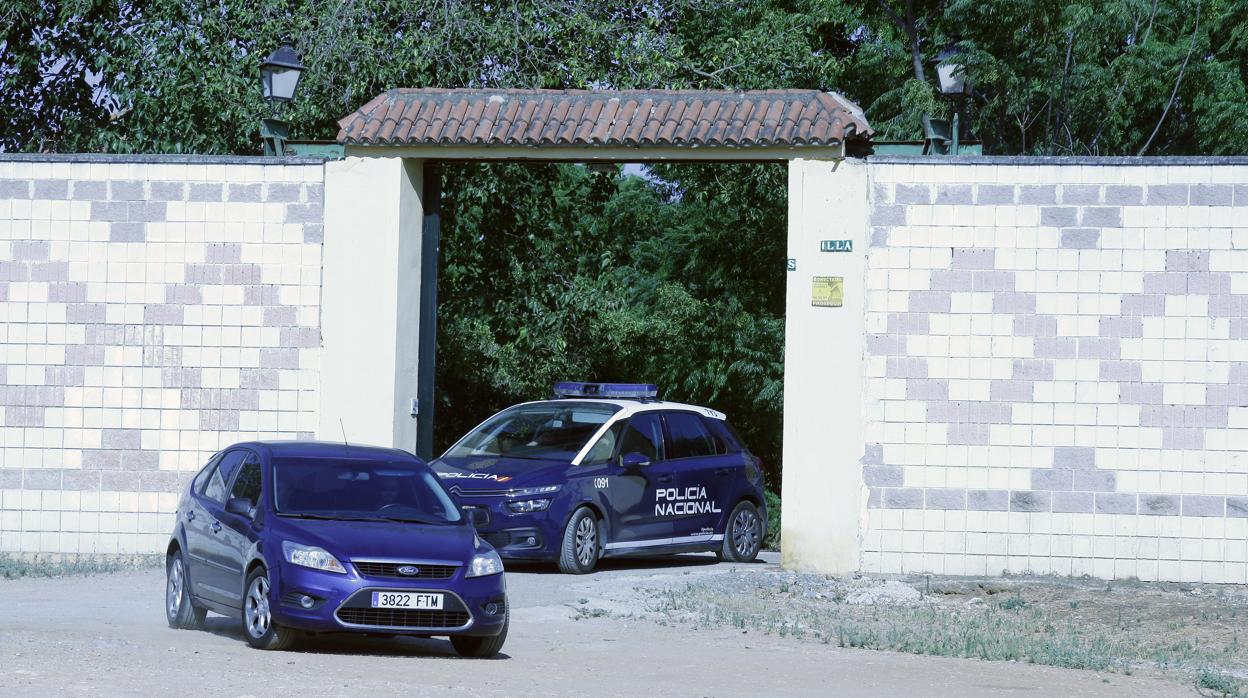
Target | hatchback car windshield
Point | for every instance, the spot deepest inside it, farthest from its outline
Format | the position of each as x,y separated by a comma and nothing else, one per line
539,431
344,488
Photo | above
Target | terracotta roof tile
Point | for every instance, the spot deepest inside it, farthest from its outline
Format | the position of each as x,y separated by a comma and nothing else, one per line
672,118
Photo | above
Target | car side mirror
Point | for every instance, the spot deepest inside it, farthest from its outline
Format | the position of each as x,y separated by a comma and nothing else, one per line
240,506
477,517
634,461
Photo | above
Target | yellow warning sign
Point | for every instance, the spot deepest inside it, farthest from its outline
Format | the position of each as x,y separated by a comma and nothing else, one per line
828,292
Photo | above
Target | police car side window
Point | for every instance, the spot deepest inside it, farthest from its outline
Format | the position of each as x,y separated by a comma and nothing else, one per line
604,448
690,439
644,435
725,438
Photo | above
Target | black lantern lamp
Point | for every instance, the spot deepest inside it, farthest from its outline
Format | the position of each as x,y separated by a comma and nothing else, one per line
279,78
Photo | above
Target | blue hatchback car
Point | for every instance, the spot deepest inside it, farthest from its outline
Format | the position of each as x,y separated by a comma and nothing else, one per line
295,537
605,469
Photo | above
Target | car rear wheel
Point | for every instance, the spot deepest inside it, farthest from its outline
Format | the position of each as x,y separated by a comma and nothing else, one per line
481,647
262,632
180,611
744,535
579,553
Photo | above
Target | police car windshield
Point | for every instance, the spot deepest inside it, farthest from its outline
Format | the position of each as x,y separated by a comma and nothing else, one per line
555,430
345,488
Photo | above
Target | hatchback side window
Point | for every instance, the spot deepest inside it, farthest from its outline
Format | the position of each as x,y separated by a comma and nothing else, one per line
644,435
690,439
726,440
202,477
247,484
214,489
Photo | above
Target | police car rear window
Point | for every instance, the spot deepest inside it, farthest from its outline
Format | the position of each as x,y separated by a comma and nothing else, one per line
690,437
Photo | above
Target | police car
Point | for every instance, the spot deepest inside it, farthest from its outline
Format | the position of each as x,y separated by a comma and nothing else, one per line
606,469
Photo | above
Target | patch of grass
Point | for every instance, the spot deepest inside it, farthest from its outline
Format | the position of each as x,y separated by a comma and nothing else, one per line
1219,684
1013,629
46,565
772,540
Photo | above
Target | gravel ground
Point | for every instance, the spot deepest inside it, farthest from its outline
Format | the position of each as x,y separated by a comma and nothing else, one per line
105,635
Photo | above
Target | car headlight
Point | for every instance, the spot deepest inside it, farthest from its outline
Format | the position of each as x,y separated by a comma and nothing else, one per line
484,564
530,491
526,505
311,556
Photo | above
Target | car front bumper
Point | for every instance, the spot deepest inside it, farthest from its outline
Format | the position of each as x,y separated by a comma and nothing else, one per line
342,603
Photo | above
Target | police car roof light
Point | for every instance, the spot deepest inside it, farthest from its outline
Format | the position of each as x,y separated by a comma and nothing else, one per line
642,391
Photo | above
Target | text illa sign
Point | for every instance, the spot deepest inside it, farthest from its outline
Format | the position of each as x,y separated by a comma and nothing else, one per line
836,245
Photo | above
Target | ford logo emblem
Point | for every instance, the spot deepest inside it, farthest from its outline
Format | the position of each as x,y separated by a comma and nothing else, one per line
409,570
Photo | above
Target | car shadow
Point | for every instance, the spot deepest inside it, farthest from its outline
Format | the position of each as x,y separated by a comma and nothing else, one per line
379,645
629,564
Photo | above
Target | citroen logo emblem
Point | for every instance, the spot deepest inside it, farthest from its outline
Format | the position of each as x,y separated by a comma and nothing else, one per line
409,570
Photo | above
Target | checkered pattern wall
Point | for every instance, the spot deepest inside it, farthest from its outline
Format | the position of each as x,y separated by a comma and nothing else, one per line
1058,369
151,312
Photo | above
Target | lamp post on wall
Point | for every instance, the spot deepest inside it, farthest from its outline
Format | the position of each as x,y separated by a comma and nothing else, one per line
944,135
279,78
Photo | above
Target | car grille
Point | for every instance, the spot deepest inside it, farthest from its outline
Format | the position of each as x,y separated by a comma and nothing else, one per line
402,618
391,569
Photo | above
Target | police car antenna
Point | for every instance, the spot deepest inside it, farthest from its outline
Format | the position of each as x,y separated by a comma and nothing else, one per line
344,432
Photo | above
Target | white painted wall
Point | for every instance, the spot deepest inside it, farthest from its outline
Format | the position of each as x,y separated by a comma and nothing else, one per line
370,316
822,486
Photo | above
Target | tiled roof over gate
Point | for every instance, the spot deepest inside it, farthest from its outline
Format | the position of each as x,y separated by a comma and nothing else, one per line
580,118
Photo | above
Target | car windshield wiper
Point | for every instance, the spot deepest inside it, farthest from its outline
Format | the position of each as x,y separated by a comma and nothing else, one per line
325,517
409,519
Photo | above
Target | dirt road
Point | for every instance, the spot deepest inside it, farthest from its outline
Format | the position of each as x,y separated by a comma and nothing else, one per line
106,635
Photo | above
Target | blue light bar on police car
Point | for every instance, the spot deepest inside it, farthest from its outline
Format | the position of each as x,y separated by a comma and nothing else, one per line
621,390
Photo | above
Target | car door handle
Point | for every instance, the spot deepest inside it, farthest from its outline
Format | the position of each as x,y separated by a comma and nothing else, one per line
216,526
190,516
665,479
724,471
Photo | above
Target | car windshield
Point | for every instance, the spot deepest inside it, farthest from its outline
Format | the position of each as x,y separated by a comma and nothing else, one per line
353,489
555,430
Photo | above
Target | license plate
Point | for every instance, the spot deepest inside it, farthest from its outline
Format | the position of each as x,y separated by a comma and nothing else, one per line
395,599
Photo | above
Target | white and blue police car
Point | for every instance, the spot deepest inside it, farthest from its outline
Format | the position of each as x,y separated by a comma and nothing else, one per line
606,469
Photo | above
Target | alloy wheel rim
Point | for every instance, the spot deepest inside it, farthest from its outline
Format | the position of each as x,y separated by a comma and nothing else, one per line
173,590
586,540
257,607
745,532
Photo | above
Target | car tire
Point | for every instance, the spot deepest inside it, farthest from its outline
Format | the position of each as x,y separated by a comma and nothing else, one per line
181,612
743,536
257,616
481,647
581,543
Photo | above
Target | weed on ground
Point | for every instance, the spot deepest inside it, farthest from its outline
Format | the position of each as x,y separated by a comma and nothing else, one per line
1190,633
19,566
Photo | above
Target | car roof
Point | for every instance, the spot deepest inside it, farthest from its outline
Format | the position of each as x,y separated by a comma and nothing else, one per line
324,449
631,407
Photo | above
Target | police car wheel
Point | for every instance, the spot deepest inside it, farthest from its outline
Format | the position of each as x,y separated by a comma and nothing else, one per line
579,552
744,535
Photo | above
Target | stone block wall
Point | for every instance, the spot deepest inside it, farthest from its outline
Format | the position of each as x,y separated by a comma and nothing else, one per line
1057,358
152,311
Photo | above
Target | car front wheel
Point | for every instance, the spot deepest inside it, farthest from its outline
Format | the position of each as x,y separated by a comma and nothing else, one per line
579,552
180,611
262,632
481,647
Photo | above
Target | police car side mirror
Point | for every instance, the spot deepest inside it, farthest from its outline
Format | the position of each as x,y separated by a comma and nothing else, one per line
634,461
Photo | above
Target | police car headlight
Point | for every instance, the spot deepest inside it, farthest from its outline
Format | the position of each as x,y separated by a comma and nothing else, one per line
530,491
525,506
484,564
311,556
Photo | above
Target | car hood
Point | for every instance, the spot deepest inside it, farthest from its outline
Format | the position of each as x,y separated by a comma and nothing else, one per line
347,540
494,473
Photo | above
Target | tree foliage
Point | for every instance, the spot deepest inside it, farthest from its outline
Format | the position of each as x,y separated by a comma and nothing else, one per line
558,272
